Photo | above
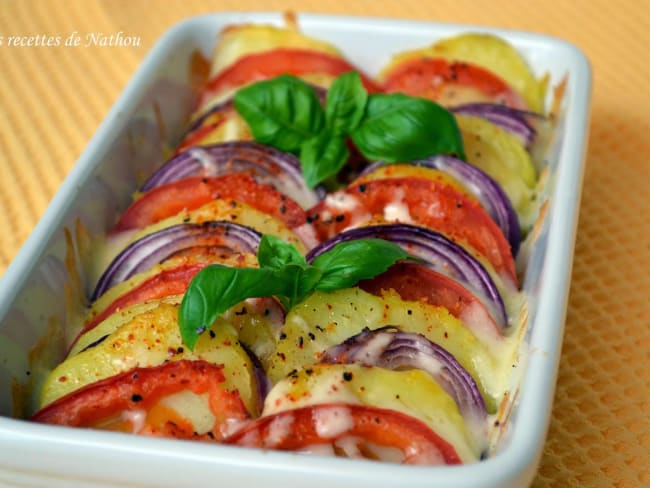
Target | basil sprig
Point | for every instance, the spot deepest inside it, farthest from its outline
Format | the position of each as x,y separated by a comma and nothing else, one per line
285,113
283,273
345,104
397,128
281,112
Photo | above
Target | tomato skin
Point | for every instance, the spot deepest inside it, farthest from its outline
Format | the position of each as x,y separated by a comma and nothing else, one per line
415,282
173,280
212,128
377,425
260,66
429,203
191,193
429,77
140,389
168,282
195,137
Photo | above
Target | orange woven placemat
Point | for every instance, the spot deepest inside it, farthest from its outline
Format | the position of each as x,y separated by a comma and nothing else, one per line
53,98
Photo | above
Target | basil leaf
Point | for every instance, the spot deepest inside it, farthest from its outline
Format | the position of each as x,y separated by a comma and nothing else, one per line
349,262
281,112
346,104
322,156
215,289
299,281
298,278
273,252
398,127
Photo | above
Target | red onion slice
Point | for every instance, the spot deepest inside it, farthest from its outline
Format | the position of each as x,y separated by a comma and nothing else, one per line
158,246
218,107
265,164
509,119
438,252
390,348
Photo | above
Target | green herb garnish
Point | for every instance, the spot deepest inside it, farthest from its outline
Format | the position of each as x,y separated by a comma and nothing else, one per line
397,128
285,113
283,273
281,112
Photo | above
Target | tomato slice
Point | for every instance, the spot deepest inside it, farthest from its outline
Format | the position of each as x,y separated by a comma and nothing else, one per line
201,133
220,124
171,279
415,282
113,403
418,201
191,193
168,282
260,66
451,83
360,427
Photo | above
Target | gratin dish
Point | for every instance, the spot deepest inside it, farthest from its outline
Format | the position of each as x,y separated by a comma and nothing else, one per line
35,292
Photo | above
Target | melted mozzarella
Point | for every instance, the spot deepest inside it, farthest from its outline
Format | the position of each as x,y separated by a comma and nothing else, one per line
231,425
429,457
250,438
428,363
357,220
350,446
283,396
411,392
332,421
355,447
202,156
136,418
477,318
376,346
370,449
307,235
397,210
342,201
434,210
279,428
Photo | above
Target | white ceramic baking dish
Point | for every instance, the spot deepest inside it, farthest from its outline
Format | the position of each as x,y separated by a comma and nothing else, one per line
33,290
